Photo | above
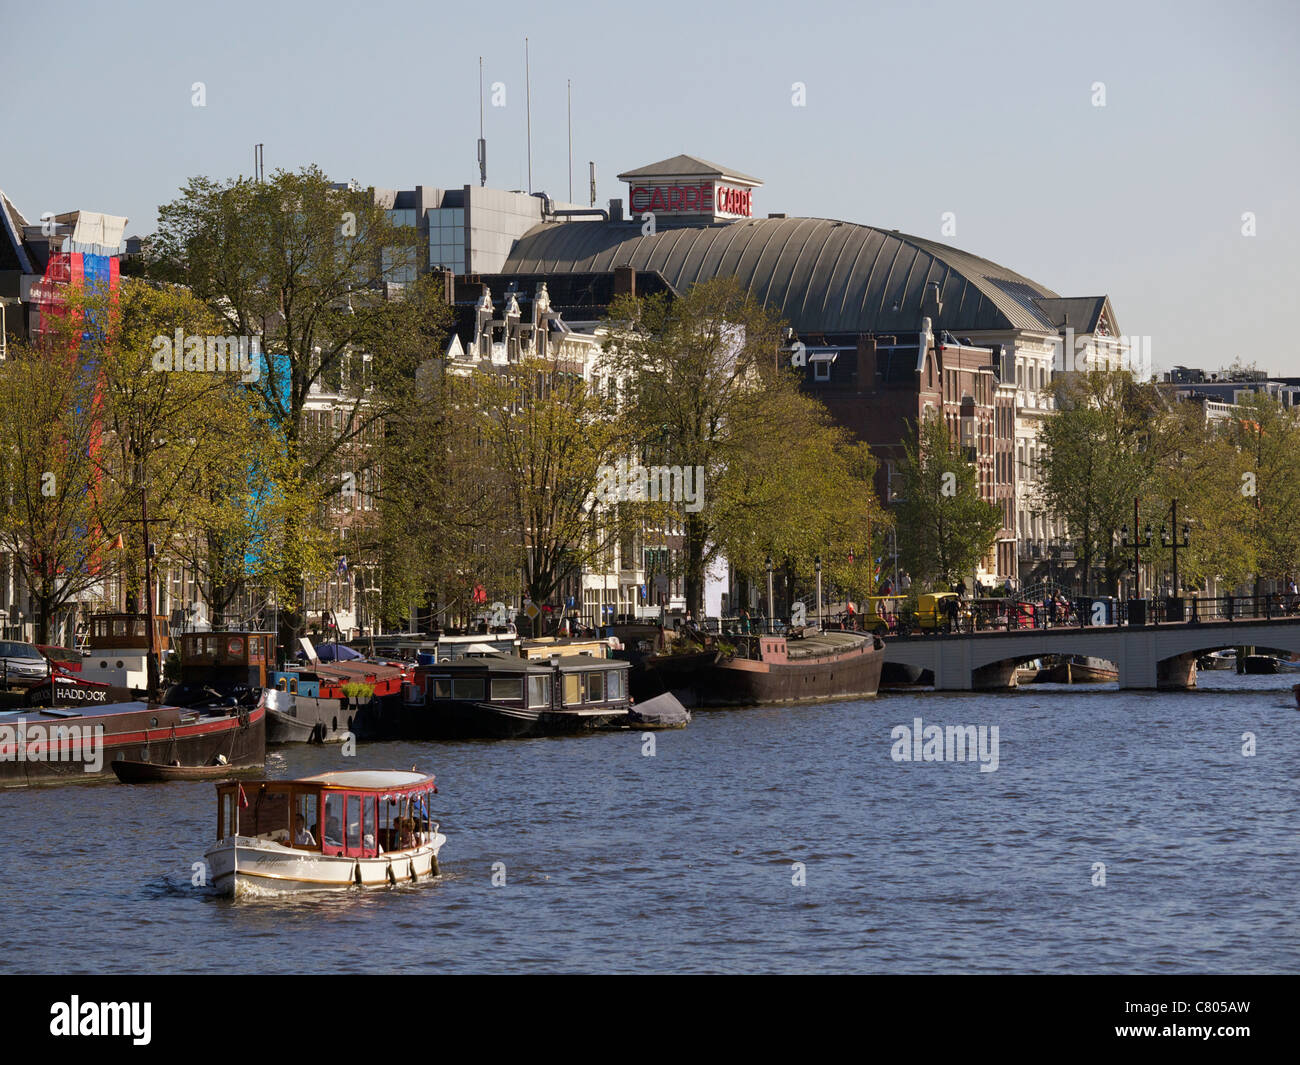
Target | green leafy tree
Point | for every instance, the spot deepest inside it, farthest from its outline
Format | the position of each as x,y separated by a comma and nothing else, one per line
308,267
705,388
1103,448
944,528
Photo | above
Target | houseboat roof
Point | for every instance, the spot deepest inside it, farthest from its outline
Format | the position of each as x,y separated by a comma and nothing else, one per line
364,778
503,663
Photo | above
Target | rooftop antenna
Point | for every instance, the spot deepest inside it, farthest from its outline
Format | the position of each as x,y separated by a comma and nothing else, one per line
569,82
258,164
482,144
528,104
592,165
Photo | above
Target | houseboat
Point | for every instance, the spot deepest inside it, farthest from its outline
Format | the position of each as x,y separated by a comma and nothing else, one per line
506,697
99,715
359,828
64,745
114,667
325,702
746,670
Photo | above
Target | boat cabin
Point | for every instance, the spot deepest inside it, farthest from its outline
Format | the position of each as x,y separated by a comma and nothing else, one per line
355,814
222,659
127,632
571,683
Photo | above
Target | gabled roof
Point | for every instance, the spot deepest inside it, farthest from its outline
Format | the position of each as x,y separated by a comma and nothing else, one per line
13,254
686,166
1080,313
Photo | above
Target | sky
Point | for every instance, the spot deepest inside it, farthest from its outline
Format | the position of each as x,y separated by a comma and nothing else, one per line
1108,148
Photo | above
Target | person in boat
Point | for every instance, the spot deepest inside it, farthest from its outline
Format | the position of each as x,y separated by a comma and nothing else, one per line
406,834
301,836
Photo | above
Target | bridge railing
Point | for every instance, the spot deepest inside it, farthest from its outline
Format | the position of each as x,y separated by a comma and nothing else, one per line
1011,616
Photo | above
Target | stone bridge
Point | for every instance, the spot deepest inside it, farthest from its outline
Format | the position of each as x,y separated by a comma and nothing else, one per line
1155,656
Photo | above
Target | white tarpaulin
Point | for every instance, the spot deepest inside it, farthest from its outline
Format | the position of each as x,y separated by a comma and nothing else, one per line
93,228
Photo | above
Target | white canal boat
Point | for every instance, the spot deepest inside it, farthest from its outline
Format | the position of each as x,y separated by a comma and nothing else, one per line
338,830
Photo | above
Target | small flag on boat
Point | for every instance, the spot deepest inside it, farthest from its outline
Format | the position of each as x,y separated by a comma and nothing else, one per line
243,799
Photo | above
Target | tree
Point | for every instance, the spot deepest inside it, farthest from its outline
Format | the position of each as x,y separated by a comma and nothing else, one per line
58,520
308,268
548,439
706,390
1102,450
1268,482
945,528
446,524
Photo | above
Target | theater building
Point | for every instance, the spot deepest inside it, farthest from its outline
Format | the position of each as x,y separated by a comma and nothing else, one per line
857,297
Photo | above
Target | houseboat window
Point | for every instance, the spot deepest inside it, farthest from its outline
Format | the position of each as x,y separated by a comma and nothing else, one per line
306,820
539,691
572,688
332,833
353,837
442,687
370,829
511,688
467,688
614,681
595,687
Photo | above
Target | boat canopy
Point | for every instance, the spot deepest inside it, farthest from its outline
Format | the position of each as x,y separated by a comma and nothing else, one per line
364,779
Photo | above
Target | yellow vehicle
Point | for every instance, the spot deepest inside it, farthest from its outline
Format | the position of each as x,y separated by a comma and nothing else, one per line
882,613
932,610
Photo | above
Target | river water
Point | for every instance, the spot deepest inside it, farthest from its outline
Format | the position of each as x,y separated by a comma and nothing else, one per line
760,840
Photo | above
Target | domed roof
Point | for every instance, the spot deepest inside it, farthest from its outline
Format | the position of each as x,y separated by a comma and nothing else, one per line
819,275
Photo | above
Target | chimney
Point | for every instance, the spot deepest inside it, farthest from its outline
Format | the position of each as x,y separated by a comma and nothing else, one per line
624,281
616,210
866,363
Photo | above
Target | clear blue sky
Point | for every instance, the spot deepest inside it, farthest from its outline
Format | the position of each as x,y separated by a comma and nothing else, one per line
913,109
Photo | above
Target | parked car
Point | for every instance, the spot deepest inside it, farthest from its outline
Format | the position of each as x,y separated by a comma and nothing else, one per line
21,665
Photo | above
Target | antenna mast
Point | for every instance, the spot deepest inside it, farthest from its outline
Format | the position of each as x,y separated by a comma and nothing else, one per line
482,144
528,91
570,84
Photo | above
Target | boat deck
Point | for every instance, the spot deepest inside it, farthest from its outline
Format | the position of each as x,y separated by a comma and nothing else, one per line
824,643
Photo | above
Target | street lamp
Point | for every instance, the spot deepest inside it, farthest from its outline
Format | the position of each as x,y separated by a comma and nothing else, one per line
1173,541
817,565
771,609
1141,538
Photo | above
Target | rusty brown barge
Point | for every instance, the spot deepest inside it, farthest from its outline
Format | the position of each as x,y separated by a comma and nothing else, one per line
748,670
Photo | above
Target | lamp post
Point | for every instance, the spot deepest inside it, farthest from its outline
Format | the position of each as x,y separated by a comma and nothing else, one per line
1139,539
817,565
1172,540
771,608
849,596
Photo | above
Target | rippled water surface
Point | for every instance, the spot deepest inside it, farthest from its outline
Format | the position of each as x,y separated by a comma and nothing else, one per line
684,861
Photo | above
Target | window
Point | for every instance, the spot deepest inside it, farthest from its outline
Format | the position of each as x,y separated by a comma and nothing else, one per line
539,691
353,838
511,688
822,370
332,831
441,687
595,687
573,689
470,688
615,684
